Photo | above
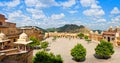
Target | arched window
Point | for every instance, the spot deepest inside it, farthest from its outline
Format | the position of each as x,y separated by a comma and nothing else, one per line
0,23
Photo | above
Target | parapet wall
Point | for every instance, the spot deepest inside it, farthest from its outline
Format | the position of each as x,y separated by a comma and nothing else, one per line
19,58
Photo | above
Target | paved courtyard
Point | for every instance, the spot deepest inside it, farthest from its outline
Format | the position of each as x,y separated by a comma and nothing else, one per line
63,46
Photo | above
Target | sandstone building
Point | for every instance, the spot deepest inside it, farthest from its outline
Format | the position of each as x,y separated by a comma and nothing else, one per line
112,35
13,42
32,31
8,28
20,53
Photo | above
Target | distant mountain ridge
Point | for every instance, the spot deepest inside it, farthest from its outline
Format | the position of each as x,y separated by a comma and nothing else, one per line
70,28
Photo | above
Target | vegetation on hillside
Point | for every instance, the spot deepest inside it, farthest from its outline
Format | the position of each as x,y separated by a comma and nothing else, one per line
68,28
71,28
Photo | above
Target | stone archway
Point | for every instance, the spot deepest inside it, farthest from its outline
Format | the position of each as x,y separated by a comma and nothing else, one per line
108,39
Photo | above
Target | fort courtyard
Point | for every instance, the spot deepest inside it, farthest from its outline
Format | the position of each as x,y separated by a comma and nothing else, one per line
63,46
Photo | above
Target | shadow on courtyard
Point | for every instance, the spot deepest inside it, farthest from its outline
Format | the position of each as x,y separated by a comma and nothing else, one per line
82,60
99,57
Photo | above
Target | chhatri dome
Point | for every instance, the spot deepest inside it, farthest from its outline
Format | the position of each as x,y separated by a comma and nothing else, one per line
23,36
23,39
96,32
117,26
110,27
2,36
91,31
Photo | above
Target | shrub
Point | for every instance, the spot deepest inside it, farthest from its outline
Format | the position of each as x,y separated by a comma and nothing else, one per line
44,57
54,38
44,45
88,40
78,52
86,37
34,43
80,35
104,49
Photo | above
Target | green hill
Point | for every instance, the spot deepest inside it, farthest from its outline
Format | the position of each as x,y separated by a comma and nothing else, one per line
70,28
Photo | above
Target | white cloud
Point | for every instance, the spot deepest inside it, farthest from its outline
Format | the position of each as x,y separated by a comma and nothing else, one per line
68,3
1,4
94,9
31,2
57,16
36,14
116,19
115,10
40,3
73,11
18,17
94,12
87,3
11,3
95,6
101,20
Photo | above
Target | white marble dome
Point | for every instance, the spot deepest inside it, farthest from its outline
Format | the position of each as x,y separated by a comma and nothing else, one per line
2,36
96,32
110,27
23,36
91,31
117,26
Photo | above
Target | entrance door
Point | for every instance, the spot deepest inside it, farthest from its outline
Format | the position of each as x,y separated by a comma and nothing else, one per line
108,39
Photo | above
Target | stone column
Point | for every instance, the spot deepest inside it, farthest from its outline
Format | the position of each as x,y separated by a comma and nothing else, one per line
2,46
18,47
25,47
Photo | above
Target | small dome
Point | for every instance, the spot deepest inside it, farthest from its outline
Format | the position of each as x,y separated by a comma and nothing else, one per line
117,26
96,32
110,27
55,32
2,36
23,36
91,31
102,32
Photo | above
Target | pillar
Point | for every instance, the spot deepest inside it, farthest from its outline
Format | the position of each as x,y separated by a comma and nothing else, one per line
2,46
25,47
18,47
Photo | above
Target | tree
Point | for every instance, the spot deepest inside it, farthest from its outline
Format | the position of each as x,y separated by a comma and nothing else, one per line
88,40
54,38
80,35
78,52
44,45
34,42
104,49
44,57
86,37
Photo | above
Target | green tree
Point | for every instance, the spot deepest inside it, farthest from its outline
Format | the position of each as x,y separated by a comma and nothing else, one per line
86,37
44,45
54,38
104,49
44,57
34,42
80,35
78,52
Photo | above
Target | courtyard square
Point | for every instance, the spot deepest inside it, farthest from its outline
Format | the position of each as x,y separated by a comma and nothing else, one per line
63,46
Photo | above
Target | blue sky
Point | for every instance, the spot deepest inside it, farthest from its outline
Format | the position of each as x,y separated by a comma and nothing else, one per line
94,14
